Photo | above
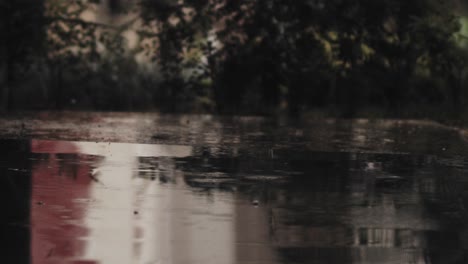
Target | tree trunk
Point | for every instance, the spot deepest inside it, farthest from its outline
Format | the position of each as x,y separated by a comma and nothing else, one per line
22,36
4,89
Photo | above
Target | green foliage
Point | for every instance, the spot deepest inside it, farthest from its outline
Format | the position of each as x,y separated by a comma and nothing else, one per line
259,55
309,52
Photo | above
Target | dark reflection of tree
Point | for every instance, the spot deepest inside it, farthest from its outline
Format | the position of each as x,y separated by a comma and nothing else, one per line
446,198
15,194
157,168
68,165
64,165
311,210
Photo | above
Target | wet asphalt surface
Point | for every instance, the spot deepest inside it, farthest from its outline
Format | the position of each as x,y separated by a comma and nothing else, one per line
149,188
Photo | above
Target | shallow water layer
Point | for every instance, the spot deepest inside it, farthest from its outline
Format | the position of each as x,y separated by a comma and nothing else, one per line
235,191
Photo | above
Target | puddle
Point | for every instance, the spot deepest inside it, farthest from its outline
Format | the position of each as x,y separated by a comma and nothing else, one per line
237,201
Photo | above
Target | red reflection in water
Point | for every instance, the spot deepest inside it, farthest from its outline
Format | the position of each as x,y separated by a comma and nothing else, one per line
61,190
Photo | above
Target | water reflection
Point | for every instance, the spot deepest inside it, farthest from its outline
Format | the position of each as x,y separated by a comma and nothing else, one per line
85,202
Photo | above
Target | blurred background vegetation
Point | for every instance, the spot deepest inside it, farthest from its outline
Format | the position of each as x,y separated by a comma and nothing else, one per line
346,58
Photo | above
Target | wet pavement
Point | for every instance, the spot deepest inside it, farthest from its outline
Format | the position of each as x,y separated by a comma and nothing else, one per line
115,188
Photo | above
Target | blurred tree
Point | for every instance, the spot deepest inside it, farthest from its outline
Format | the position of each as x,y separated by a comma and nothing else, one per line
71,43
311,52
252,55
53,37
